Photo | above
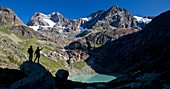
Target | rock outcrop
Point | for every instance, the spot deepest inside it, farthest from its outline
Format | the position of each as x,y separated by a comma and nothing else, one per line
58,18
62,75
8,17
9,76
74,25
24,31
37,19
38,77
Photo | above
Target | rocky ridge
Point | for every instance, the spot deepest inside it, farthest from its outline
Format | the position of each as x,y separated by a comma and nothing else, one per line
8,17
113,17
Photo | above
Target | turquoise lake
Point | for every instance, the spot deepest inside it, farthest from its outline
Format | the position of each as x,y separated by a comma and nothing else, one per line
94,78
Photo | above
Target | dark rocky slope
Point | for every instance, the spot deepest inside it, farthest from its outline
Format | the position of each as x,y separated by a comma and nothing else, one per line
146,51
34,76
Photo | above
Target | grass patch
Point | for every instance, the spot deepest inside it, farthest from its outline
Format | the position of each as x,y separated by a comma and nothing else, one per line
21,37
5,30
78,65
97,45
51,65
28,43
101,30
12,60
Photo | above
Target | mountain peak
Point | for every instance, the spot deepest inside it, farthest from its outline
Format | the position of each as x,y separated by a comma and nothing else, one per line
115,8
55,13
39,14
39,20
115,17
8,17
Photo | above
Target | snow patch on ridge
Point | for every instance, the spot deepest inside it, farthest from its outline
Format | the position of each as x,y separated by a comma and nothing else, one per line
87,18
83,29
142,20
50,22
34,27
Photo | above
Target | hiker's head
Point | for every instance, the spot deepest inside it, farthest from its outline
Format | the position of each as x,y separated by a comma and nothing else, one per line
30,46
37,47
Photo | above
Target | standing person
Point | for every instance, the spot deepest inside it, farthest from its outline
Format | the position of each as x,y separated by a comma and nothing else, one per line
30,52
37,52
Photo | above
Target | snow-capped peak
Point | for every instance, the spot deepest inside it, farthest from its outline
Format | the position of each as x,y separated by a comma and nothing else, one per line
46,18
142,19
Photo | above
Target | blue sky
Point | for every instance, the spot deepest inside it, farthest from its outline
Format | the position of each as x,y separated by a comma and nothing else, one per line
73,9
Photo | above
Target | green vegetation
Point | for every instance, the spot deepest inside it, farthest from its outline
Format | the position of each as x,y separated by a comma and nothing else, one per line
13,55
6,39
97,45
21,37
51,65
101,30
78,65
12,60
5,30
28,43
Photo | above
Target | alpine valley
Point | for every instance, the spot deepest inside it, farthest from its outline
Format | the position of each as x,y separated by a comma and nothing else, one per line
111,42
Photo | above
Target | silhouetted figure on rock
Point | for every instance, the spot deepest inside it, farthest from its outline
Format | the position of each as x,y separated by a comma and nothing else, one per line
30,52
37,52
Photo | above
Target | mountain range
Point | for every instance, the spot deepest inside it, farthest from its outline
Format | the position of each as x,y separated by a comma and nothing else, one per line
112,42
114,17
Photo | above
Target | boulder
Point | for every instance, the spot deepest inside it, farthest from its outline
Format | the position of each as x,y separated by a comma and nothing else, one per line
61,79
38,77
9,76
77,55
77,45
62,74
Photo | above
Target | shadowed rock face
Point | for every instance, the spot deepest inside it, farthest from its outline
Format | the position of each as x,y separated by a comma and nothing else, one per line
8,17
38,77
9,76
146,50
58,18
37,19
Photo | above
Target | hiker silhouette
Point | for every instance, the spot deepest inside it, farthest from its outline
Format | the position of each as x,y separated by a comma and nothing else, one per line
37,52
30,52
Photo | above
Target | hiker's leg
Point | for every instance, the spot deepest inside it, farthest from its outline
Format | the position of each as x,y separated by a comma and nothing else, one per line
39,59
35,58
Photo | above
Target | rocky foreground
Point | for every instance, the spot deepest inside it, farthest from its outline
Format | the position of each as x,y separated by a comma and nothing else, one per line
34,76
